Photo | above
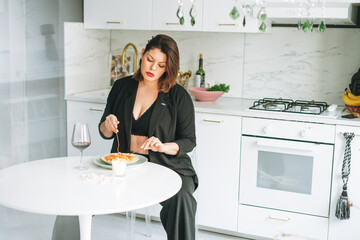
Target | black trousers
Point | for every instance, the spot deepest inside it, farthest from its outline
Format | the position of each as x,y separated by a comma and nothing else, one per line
177,216
178,212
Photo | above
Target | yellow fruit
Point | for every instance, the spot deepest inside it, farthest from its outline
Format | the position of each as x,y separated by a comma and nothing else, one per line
348,101
351,96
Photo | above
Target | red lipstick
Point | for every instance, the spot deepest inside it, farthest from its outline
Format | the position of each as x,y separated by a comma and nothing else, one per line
150,74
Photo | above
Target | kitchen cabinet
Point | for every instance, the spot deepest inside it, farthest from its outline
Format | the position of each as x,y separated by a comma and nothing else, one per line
117,14
218,160
216,18
271,224
164,16
346,229
89,113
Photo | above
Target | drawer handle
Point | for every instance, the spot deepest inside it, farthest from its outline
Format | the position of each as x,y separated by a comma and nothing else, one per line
279,219
228,24
169,23
96,109
109,22
213,121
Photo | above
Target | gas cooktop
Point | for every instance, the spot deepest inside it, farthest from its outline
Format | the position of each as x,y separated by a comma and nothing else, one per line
289,105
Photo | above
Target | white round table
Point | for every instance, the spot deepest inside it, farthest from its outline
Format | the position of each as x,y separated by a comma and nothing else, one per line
54,187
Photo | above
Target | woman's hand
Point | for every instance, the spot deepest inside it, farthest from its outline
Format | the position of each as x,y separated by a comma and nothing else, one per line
154,144
109,126
111,123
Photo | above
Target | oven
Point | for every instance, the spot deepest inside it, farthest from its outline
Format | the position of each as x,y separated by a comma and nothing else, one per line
286,165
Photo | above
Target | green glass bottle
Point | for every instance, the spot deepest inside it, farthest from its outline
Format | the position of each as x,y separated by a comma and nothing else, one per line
200,73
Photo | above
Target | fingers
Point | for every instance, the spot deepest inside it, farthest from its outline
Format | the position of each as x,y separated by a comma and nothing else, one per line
152,143
111,123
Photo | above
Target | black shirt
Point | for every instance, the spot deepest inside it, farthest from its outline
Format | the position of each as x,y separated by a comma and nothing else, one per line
140,126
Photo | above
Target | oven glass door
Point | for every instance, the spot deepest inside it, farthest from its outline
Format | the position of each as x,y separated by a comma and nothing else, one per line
286,175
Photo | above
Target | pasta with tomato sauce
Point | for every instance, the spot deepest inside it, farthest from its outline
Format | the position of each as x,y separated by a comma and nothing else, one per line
113,156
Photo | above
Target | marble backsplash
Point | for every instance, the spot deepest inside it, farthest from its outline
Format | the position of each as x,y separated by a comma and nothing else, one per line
86,54
285,63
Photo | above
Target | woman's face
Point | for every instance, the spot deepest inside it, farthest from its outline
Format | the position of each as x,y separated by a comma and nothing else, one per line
153,64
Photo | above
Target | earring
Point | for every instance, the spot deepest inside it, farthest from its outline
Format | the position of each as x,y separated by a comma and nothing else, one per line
180,12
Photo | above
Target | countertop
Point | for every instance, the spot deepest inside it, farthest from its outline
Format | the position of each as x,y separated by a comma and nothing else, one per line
236,107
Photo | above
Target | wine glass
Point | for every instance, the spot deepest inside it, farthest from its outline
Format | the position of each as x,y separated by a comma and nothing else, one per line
81,140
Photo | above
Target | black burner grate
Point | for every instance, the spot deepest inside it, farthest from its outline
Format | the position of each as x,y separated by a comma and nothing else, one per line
289,105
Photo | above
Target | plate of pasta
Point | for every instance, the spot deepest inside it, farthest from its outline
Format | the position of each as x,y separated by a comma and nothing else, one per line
129,158
101,163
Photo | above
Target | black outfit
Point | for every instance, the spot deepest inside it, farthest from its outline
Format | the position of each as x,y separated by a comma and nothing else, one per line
172,120
140,126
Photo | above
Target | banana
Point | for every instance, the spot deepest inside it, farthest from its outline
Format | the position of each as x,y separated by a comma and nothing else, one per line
351,96
348,101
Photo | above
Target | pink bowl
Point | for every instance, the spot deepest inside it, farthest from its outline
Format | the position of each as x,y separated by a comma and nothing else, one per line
202,95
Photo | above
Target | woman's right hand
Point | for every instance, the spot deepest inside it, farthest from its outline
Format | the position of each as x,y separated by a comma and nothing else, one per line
111,123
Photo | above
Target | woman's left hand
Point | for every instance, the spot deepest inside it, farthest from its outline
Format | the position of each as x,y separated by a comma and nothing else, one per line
153,144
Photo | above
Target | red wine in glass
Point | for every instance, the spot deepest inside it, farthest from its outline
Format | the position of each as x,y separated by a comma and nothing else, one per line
81,140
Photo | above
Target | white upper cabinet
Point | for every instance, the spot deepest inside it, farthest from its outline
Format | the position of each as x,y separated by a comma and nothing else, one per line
117,14
164,15
217,18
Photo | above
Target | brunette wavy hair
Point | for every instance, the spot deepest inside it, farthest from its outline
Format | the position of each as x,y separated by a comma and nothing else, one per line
168,46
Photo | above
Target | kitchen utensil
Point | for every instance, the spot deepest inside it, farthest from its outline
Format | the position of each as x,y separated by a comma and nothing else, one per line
118,144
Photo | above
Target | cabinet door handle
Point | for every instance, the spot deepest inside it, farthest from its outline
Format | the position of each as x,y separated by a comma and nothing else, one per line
169,23
228,24
96,109
213,121
279,219
110,22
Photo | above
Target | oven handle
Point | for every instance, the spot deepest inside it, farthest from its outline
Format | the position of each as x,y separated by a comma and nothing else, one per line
279,219
286,145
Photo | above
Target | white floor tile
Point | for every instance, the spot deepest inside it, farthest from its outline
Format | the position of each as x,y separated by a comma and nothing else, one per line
18,225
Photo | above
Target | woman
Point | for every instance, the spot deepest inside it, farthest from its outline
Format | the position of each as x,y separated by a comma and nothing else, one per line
154,116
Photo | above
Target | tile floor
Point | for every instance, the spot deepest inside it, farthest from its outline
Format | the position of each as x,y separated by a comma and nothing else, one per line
102,231
17,225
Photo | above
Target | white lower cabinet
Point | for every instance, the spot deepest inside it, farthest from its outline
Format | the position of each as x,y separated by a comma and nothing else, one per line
218,160
89,113
346,229
267,223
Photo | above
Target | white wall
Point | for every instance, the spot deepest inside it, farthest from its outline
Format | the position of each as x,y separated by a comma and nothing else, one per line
284,63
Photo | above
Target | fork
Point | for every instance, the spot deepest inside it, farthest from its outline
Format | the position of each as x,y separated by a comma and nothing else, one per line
117,138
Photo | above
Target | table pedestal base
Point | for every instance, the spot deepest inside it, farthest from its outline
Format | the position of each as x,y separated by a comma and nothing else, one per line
85,227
